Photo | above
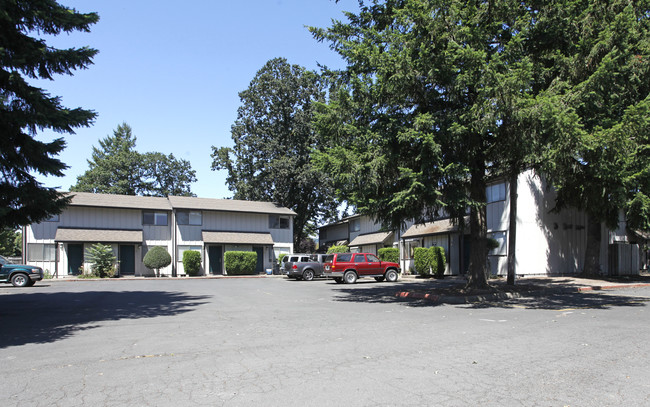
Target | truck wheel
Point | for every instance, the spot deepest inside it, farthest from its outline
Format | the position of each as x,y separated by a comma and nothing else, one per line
391,276
20,280
350,277
308,275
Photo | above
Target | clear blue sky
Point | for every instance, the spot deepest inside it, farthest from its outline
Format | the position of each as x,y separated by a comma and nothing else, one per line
173,70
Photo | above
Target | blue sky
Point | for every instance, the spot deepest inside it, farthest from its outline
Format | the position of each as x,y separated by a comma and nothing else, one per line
173,71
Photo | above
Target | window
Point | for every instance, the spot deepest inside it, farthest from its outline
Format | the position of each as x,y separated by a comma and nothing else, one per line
344,257
359,258
53,218
189,218
182,249
496,192
372,258
42,252
278,222
154,218
410,246
355,225
500,237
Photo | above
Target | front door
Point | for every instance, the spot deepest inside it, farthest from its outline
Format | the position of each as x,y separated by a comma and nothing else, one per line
259,268
215,258
75,258
127,260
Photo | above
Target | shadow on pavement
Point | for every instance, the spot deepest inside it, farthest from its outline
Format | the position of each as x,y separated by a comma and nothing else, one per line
49,317
558,297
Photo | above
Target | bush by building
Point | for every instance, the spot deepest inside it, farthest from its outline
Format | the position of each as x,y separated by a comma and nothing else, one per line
192,262
388,254
156,258
240,263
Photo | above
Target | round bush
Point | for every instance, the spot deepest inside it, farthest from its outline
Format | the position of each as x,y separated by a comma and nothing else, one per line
156,258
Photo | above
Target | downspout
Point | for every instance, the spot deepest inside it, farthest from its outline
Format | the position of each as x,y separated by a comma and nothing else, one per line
174,240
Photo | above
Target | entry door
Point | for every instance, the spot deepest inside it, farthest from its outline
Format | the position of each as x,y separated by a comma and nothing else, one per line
259,268
75,258
215,257
127,260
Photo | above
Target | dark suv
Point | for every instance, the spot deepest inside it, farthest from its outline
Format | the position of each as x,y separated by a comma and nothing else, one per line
348,267
20,275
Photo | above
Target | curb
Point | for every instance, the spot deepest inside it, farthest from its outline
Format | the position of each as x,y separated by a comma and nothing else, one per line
469,299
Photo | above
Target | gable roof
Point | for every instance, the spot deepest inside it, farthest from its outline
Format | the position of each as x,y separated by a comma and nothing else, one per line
119,201
228,205
176,202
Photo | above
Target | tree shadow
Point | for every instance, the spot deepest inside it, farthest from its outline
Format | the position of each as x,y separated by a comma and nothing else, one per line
560,296
48,317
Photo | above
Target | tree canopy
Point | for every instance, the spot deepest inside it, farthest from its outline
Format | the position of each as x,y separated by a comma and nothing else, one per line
26,110
440,96
273,143
117,168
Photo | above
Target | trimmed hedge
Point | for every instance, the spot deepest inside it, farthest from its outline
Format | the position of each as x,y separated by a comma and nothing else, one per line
388,254
192,262
239,263
430,262
338,249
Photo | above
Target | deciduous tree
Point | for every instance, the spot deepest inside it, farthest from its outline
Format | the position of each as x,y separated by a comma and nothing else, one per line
271,159
26,110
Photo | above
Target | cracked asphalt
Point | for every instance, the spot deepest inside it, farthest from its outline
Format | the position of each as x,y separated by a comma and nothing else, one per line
275,342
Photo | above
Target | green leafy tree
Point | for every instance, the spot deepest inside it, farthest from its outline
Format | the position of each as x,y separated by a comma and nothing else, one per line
102,260
10,242
25,109
273,142
117,168
156,258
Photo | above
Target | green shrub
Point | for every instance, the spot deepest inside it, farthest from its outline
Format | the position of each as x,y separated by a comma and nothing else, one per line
192,262
156,258
422,261
281,256
440,261
389,254
102,260
238,263
338,249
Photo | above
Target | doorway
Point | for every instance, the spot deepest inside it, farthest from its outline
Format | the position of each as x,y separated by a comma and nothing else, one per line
75,258
127,260
215,258
259,267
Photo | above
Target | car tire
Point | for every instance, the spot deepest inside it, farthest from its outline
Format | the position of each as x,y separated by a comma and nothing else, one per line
380,279
350,277
308,275
20,280
338,280
391,276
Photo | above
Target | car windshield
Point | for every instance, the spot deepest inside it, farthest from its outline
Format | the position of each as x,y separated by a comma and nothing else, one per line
3,261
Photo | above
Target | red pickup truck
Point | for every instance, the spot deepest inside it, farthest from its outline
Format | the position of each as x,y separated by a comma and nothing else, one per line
348,267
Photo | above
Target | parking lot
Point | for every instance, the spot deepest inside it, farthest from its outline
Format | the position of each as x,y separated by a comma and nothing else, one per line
275,342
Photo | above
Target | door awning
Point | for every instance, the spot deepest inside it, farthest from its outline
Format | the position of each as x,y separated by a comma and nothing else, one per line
237,238
371,238
98,235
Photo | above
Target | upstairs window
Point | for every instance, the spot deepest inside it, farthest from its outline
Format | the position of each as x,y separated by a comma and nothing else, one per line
154,218
355,225
496,192
278,222
189,218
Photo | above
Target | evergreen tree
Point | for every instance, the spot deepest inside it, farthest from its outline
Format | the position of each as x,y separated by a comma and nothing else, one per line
117,168
25,109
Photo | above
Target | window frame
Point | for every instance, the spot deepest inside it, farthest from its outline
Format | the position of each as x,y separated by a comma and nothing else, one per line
190,216
49,255
279,222
157,215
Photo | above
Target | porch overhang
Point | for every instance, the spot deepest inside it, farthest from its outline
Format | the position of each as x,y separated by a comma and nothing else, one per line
260,239
69,235
437,227
371,238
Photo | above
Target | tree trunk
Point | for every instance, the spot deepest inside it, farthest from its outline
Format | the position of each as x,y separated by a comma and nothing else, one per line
478,232
512,229
592,253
